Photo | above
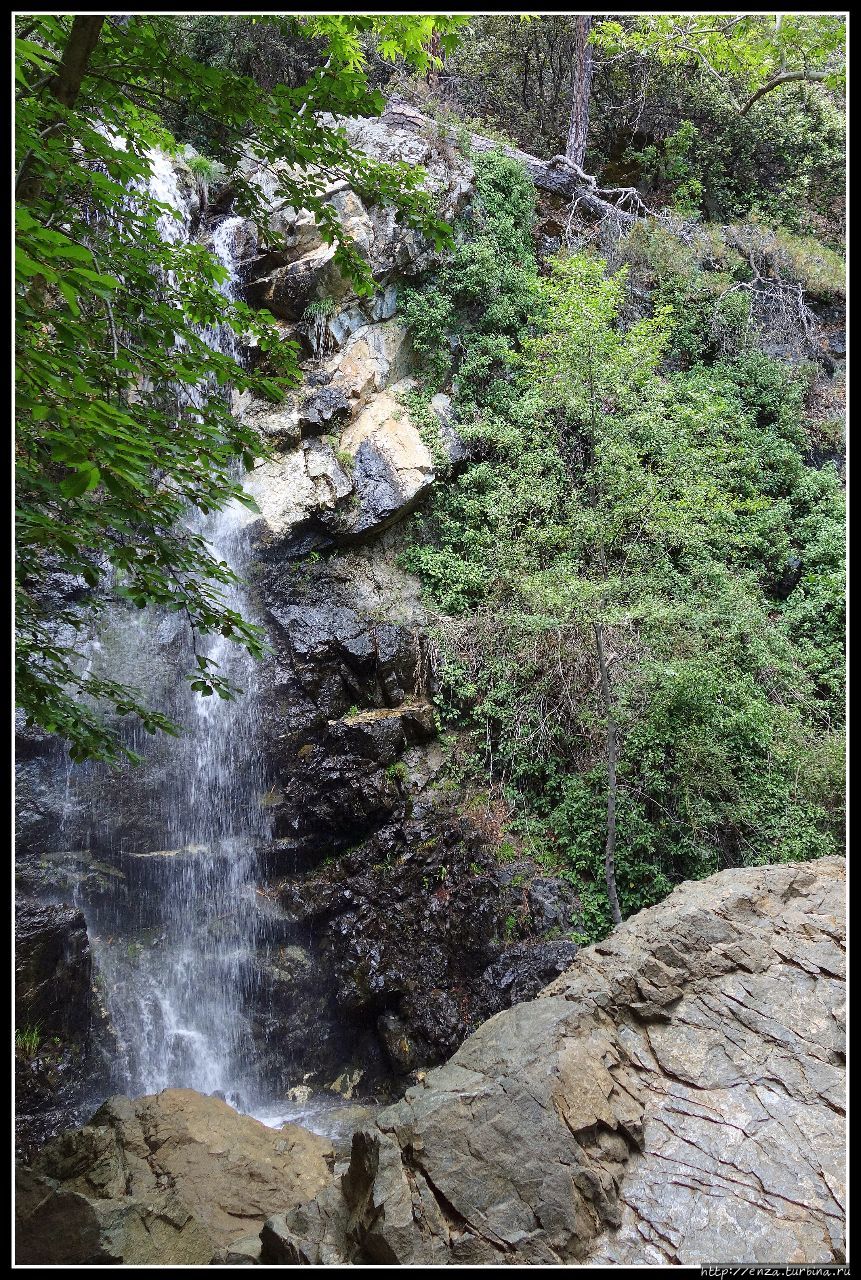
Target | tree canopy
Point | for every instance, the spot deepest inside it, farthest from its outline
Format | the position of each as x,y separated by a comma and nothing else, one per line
747,55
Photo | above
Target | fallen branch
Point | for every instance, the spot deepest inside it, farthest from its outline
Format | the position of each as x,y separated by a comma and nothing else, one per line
559,176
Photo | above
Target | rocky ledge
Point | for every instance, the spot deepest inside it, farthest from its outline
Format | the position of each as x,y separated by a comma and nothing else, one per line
675,1097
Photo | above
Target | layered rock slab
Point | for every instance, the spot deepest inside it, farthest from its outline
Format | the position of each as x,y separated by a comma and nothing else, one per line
676,1097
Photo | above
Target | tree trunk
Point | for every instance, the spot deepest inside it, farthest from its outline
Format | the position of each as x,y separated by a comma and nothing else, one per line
64,88
581,90
612,756
83,39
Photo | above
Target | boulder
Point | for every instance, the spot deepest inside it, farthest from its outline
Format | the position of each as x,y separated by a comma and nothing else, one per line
375,357
177,1154
55,1226
392,464
333,490
676,1097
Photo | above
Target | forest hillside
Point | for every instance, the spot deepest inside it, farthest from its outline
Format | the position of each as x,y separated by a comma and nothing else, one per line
430,636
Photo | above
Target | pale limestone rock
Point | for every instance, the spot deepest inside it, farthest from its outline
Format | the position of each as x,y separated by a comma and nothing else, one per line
291,487
385,425
336,490
374,358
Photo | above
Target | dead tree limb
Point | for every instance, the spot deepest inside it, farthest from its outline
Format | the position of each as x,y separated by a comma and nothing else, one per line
560,176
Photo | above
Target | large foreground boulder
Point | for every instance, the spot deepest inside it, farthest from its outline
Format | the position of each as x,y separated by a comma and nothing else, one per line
168,1178
676,1097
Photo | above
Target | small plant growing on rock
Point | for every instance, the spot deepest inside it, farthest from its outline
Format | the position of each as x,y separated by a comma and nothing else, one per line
319,309
205,172
27,1040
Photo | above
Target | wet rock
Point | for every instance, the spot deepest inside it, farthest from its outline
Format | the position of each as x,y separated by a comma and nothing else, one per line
329,661
521,971
224,1171
674,1098
299,1031
403,1051
420,967
69,874
53,970
327,801
323,405
59,1025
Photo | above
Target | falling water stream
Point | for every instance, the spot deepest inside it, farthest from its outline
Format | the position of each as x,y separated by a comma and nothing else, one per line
179,1000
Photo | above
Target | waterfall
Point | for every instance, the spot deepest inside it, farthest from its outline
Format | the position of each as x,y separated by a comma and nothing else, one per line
175,964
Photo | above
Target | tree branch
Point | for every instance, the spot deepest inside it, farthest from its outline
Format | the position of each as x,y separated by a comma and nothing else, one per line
785,77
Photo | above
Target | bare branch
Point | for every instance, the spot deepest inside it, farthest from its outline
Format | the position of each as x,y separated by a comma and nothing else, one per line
785,77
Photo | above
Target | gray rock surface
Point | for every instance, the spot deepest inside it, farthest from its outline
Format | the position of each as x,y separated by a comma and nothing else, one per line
334,489
57,1015
675,1097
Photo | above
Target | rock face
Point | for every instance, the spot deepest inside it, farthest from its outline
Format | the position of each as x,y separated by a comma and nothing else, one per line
676,1097
403,945
167,1179
52,970
347,727
673,1097
56,1016
54,1226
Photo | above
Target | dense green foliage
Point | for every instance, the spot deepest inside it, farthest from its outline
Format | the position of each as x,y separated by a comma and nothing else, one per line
123,424
676,510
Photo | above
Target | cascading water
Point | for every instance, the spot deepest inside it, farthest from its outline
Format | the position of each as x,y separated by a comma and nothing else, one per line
176,963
